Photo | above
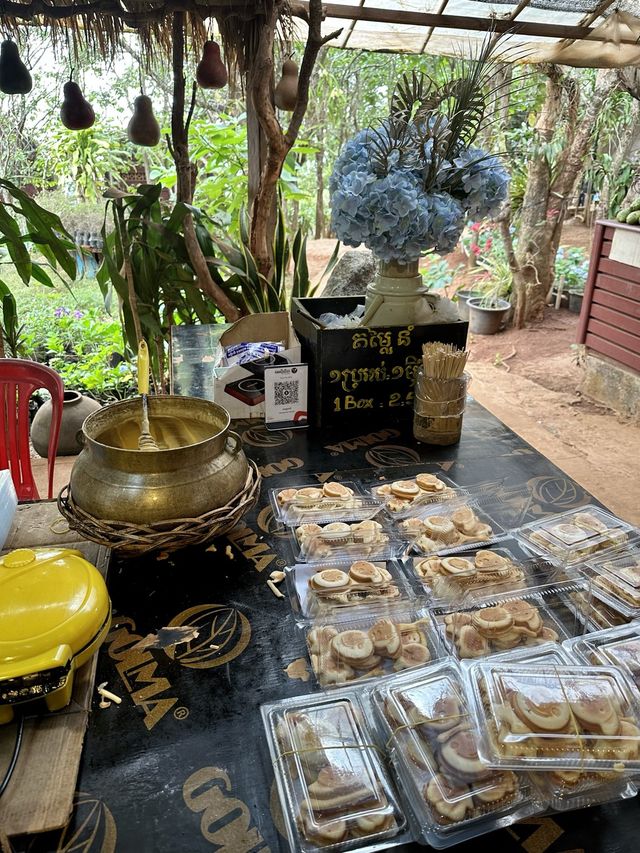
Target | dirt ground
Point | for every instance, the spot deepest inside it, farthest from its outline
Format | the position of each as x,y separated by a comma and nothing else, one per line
530,379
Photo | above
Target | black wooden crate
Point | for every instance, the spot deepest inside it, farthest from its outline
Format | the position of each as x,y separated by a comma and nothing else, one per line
365,373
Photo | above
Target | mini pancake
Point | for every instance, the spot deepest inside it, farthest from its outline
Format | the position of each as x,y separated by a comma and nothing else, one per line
464,519
319,639
337,531
545,713
329,579
362,571
456,566
461,754
492,621
450,801
429,483
470,643
308,496
439,528
413,654
521,611
386,638
307,531
286,496
352,646
336,490
503,786
489,560
405,489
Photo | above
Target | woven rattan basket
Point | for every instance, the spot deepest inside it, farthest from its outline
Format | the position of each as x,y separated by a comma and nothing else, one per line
134,540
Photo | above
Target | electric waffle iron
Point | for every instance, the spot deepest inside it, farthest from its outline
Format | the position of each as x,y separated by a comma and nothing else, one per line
54,614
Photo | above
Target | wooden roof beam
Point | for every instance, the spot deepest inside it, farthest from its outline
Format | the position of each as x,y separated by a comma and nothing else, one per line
454,22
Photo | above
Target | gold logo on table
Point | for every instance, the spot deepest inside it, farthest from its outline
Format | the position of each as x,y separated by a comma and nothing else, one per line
226,820
91,829
389,455
259,436
556,491
223,634
252,546
268,524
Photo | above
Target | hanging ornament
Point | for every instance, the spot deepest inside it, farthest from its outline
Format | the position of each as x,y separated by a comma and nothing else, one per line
143,128
76,113
211,72
15,78
286,92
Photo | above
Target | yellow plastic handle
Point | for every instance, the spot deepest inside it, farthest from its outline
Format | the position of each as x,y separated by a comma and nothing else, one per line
143,368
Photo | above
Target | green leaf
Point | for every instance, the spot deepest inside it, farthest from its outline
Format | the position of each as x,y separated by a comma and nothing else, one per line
15,244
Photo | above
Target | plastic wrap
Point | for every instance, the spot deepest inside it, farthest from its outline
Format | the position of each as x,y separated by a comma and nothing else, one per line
322,503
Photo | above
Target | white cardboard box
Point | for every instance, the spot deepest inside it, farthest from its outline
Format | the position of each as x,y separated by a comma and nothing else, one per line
240,389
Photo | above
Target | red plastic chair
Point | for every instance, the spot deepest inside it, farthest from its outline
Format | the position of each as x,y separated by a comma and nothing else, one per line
18,381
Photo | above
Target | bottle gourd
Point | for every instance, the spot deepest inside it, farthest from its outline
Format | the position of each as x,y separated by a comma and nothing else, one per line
211,72
76,113
286,92
143,128
15,78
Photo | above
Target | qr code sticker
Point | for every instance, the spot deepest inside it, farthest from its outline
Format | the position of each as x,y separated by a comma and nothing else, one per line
286,393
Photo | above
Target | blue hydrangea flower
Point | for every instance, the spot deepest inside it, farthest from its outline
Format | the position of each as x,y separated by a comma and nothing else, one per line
394,215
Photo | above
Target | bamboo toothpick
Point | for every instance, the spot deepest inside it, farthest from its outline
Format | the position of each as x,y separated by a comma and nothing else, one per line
443,361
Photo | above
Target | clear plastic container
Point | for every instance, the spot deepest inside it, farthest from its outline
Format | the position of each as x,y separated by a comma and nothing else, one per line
320,589
612,647
321,503
619,595
334,788
457,525
567,790
545,653
575,535
623,565
542,717
400,497
373,642
453,795
341,542
595,613
475,572
500,623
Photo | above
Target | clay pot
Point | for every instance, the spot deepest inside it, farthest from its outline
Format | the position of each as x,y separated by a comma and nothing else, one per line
75,408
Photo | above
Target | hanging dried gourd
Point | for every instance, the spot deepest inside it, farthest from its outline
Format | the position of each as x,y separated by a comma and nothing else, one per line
211,72
15,78
286,92
143,128
76,113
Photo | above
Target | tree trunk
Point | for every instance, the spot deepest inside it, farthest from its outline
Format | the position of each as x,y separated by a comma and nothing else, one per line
546,198
320,226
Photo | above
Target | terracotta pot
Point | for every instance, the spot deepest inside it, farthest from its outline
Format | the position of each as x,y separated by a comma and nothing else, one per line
200,465
75,408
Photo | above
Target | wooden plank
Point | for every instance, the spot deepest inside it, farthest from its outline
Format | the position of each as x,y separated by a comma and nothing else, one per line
617,336
38,800
454,22
606,247
598,236
615,319
618,303
620,286
611,350
621,270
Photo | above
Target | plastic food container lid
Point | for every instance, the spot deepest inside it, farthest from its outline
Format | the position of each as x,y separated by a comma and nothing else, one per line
452,793
341,542
377,641
320,589
401,496
457,525
624,566
334,788
322,503
575,535
555,718
499,623
618,647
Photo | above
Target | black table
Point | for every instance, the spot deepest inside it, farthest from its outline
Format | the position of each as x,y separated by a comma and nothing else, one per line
180,766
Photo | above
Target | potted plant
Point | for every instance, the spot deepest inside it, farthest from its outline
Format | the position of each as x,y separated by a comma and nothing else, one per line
575,298
488,312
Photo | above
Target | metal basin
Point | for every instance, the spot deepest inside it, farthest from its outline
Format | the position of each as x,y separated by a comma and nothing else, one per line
200,467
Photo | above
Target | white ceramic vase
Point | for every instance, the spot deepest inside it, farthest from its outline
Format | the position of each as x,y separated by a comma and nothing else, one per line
396,296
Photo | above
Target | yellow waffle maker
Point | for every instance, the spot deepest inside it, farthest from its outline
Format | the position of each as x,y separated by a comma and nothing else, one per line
54,614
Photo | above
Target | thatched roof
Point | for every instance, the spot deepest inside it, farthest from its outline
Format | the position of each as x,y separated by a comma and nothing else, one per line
99,24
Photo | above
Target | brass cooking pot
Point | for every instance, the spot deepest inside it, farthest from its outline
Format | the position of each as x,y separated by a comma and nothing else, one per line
201,465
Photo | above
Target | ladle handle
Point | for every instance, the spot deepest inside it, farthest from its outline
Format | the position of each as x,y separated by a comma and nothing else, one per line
143,367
